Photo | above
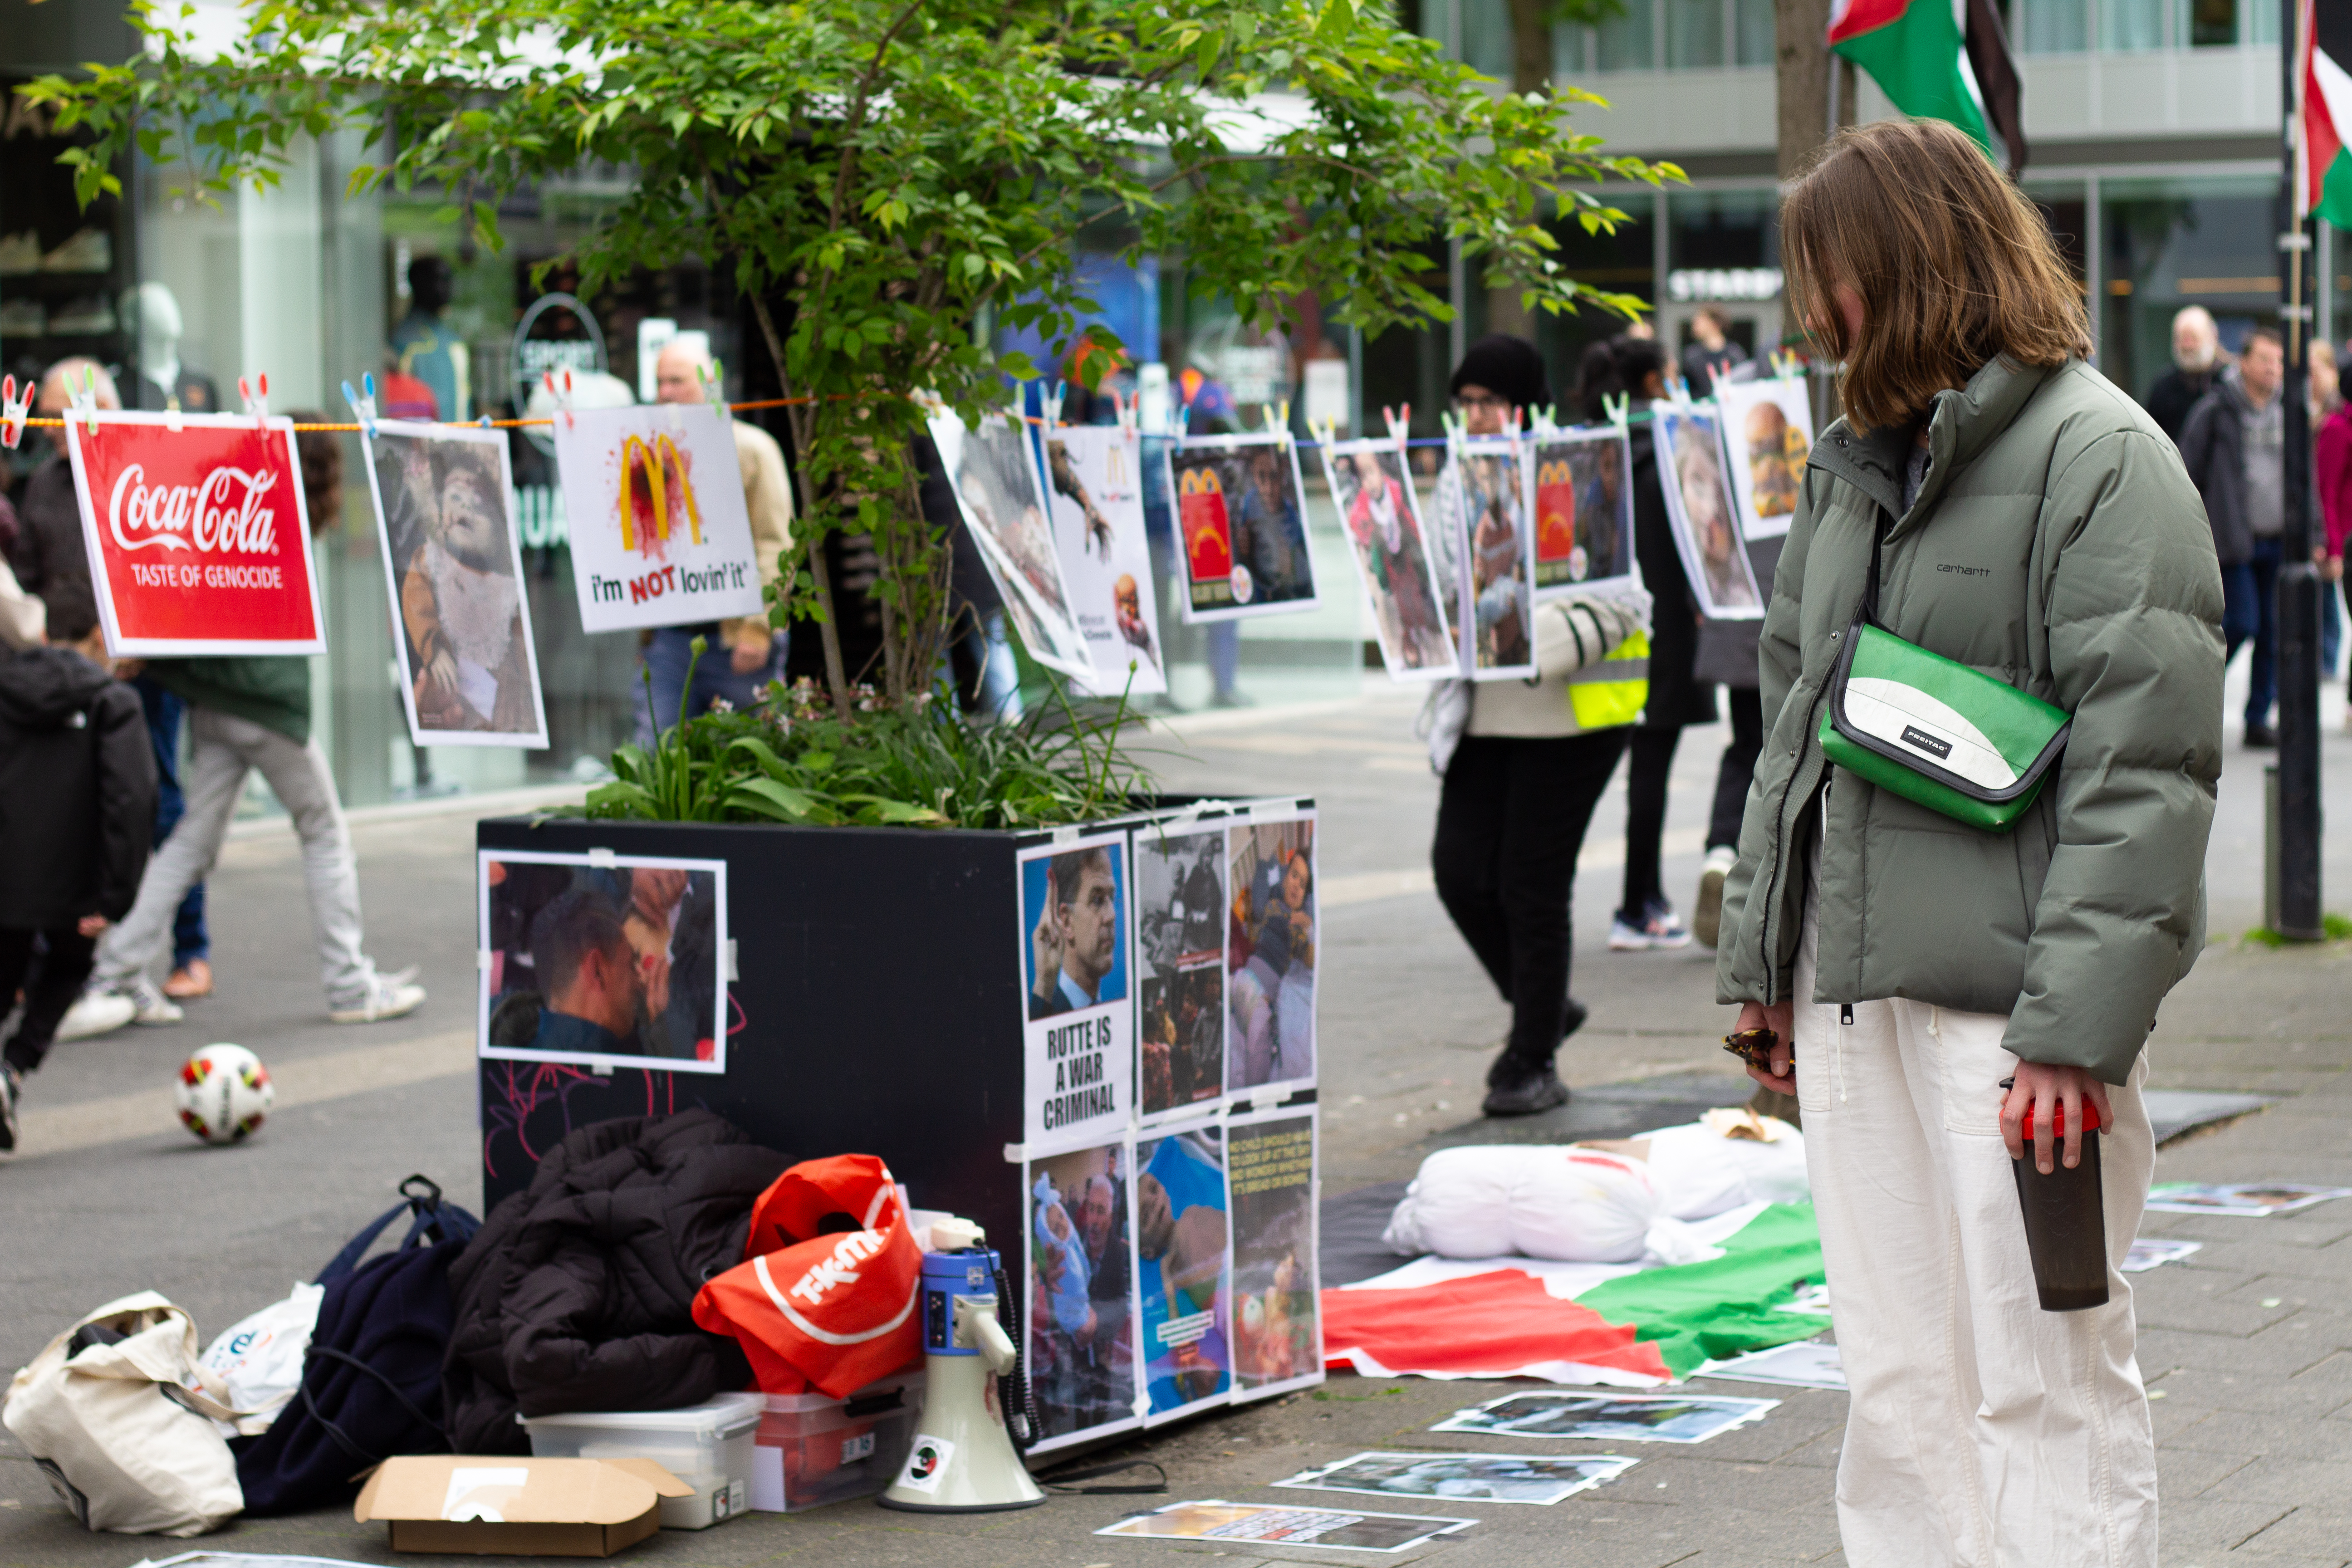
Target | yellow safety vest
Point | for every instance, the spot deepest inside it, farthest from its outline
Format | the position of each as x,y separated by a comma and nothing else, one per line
1604,695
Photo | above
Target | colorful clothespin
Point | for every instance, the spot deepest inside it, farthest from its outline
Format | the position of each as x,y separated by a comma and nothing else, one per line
1276,416
257,405
1183,419
171,420
1049,402
714,388
13,411
1128,411
560,390
1541,420
1324,435
85,400
1619,407
1400,423
1787,366
363,405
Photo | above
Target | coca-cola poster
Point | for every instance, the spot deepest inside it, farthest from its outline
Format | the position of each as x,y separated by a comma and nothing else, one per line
660,536
199,542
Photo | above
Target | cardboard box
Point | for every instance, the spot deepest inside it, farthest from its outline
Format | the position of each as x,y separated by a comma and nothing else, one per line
494,1506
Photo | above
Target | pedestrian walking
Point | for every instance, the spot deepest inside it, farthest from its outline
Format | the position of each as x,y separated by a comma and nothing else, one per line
79,788
2197,359
2325,402
2235,446
2023,517
244,715
2332,460
1523,763
1710,350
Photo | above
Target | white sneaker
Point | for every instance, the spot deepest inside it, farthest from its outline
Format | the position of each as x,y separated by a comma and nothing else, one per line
89,250
1706,915
96,1011
1659,927
20,254
151,1006
385,998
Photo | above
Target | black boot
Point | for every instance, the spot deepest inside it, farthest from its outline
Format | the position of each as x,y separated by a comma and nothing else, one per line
1516,1087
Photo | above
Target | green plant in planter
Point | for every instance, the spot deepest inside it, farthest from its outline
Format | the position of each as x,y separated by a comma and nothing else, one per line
794,761
909,177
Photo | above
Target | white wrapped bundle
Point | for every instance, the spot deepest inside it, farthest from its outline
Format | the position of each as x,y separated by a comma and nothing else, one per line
1571,1204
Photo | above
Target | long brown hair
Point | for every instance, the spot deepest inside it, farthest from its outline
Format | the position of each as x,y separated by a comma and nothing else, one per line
1953,265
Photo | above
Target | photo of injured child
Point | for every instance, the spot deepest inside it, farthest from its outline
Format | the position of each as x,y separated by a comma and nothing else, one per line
1180,929
469,675
1180,1249
1082,1306
614,963
1277,1331
1270,955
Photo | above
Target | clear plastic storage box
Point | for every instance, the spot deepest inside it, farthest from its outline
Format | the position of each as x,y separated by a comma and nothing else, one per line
813,1450
708,1446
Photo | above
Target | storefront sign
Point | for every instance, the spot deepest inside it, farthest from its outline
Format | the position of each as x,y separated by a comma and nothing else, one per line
1691,283
199,542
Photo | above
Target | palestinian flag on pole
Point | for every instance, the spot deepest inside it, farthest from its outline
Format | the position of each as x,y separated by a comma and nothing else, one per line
2323,175
1571,1322
1912,48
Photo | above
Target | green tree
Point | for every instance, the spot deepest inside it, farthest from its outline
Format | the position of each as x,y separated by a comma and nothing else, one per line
905,172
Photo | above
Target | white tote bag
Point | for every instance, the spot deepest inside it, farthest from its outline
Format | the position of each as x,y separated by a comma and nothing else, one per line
125,1430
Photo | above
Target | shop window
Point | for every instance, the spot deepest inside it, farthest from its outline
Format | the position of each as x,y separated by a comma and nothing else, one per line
2051,26
1619,262
1695,31
2165,243
1627,42
2128,26
1752,32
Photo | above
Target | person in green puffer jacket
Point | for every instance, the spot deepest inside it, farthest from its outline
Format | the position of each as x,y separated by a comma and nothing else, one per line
2038,526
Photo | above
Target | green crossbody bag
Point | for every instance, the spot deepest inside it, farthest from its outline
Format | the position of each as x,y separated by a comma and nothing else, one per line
1934,730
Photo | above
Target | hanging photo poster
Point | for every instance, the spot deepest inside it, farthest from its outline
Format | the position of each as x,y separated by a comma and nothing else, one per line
1374,492
1583,507
1180,915
654,502
445,518
1080,1016
604,960
1768,431
994,472
1699,509
1094,479
1080,1320
1495,606
1241,513
1278,1328
1183,1258
1270,951
199,542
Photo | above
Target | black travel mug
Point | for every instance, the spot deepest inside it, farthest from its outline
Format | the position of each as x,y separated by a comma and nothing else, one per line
2065,1223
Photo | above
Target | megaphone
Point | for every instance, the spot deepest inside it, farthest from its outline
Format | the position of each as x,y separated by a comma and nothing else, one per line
977,1416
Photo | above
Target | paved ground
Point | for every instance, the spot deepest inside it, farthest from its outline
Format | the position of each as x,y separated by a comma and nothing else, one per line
2248,1345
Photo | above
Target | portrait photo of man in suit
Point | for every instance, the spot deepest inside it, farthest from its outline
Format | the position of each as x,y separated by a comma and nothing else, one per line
1074,939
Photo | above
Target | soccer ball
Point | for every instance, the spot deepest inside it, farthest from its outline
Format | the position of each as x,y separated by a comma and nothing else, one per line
225,1092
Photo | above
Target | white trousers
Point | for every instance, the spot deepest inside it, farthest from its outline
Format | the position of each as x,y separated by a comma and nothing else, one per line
224,749
1983,1431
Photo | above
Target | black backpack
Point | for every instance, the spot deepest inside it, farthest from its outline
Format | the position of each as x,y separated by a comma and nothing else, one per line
372,1377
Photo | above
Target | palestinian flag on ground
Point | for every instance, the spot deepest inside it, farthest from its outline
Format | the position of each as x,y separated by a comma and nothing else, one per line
1604,1323
2324,179
1936,60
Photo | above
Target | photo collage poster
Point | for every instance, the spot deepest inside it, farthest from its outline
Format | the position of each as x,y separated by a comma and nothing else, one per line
1168,1006
1277,1338
1083,1312
1767,433
1094,485
1581,483
445,510
1701,511
1240,505
1494,595
992,469
603,961
654,499
1372,489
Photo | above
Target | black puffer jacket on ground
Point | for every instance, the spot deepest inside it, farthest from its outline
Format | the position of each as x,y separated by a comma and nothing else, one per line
578,1293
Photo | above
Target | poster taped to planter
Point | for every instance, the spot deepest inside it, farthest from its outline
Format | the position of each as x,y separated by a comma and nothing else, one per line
1081,1314
654,502
198,533
1270,1178
1582,487
1483,508
1094,482
992,468
1767,432
1373,491
1180,916
1079,1010
1240,505
1272,936
1700,511
1283,1524
445,512
604,959
1184,1267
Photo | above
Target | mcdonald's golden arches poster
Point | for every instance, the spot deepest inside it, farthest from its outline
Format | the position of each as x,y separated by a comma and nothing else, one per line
1583,508
1094,482
659,533
445,510
1241,515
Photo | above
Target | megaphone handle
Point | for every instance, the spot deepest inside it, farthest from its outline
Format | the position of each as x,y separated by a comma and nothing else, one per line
1012,1391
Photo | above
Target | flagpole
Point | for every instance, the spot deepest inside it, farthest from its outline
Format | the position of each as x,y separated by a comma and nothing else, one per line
2297,824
